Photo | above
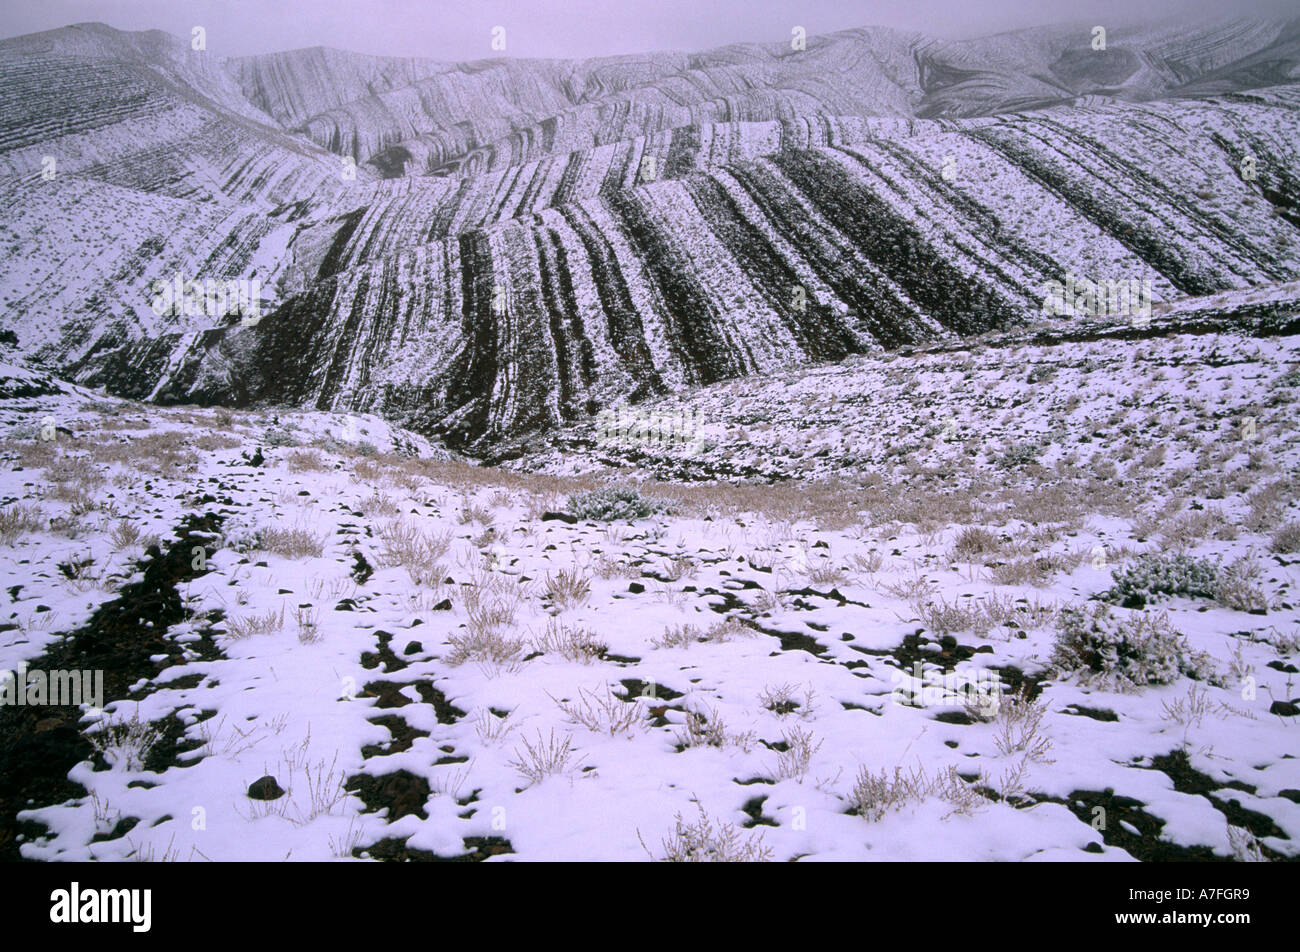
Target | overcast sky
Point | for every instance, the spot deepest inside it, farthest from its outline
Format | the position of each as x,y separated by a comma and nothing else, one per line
462,29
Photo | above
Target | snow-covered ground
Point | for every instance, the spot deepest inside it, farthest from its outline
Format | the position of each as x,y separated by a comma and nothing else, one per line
434,657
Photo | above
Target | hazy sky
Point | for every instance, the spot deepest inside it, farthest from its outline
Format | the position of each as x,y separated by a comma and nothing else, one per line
461,29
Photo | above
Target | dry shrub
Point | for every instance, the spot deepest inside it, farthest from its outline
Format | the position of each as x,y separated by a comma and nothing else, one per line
265,624
485,644
974,542
302,461
683,636
795,760
379,505
709,841
876,794
568,588
705,728
1287,538
295,543
570,643
124,534
603,713
1037,570
18,520
545,757
404,545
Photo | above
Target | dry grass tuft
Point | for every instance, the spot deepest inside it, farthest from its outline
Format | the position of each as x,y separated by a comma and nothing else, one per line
18,520
296,543
709,841
567,589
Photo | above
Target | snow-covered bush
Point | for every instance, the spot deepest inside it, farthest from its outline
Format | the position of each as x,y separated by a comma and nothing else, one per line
278,436
612,503
1151,576
1132,649
1018,455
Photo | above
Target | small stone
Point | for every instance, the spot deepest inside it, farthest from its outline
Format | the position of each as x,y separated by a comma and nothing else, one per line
265,789
413,648
636,588
1285,709
559,516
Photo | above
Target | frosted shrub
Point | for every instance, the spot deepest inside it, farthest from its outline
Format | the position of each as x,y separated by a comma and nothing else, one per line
1017,455
1130,650
613,503
278,436
1151,576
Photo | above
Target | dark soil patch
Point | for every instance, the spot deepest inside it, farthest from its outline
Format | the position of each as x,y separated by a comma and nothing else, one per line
389,694
1187,779
402,793
913,651
1144,845
361,569
383,655
393,850
123,826
636,689
754,809
1096,713
1020,684
403,736
39,745
794,640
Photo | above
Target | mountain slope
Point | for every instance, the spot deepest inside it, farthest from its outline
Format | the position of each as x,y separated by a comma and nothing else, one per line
604,230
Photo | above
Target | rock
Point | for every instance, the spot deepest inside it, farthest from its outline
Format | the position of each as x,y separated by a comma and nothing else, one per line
413,647
265,789
443,606
1285,708
636,588
559,517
